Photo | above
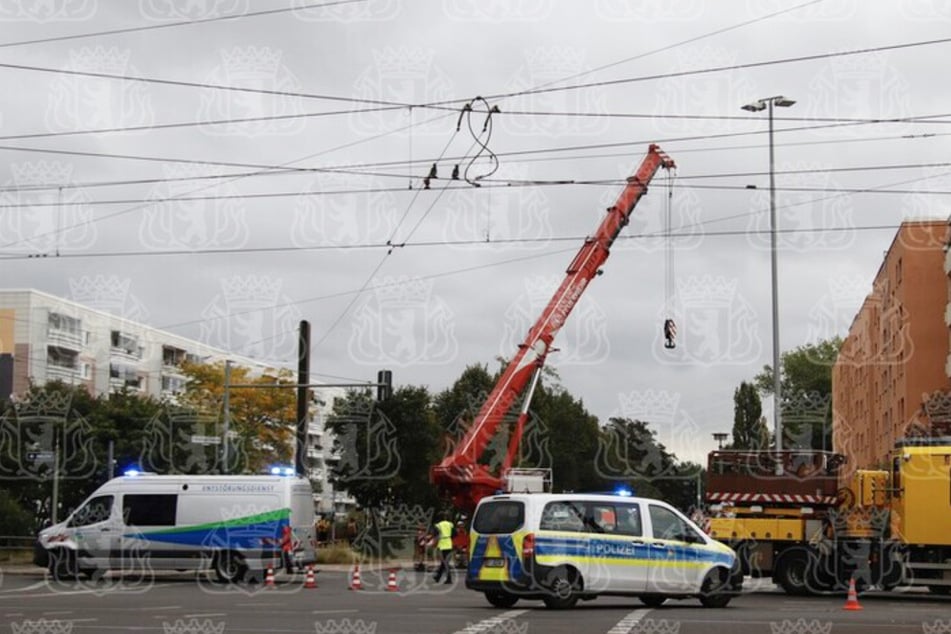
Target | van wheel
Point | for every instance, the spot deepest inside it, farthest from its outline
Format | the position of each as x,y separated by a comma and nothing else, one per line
653,600
792,574
230,566
62,564
562,587
714,593
500,599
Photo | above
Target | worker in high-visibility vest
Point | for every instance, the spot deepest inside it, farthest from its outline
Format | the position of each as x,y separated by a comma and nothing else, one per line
443,535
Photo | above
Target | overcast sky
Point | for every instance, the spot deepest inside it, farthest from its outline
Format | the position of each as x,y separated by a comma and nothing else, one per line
327,109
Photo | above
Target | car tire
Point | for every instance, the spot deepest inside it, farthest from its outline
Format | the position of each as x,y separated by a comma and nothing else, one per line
230,566
715,591
62,564
500,598
792,573
652,600
561,588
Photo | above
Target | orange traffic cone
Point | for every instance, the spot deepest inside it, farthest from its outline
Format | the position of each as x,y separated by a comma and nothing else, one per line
310,581
355,583
269,578
391,585
852,602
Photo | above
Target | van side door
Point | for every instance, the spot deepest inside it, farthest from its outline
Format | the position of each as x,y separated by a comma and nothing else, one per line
95,531
147,541
618,550
677,555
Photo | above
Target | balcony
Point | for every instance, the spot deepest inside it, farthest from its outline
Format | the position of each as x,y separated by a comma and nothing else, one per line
60,373
125,346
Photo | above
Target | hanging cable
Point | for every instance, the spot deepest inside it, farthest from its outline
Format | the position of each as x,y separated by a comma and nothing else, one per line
670,327
466,112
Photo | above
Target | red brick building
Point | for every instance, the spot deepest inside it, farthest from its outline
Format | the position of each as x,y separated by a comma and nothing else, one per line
896,354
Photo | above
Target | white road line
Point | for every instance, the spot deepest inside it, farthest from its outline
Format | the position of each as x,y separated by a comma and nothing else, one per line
490,624
203,615
334,611
626,624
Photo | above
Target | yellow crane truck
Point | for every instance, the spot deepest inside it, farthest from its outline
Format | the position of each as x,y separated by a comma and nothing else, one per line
795,516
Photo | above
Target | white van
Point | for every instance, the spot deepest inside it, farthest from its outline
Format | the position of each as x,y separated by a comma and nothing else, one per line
233,524
564,547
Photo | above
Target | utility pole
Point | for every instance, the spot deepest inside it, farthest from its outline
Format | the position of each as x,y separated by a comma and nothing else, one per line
226,417
303,379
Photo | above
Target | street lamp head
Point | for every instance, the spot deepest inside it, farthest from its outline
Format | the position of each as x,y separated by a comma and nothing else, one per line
783,102
756,106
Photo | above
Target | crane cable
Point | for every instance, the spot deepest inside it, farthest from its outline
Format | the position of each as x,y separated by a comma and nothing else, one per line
670,328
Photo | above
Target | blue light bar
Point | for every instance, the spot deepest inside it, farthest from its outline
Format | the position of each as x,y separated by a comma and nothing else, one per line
623,492
131,473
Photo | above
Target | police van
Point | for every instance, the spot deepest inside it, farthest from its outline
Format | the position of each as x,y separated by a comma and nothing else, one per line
235,525
564,547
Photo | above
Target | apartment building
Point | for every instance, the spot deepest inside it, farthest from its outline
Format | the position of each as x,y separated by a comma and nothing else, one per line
896,354
45,338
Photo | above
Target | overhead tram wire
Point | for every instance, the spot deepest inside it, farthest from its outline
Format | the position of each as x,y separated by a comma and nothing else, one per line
172,25
355,167
200,189
508,184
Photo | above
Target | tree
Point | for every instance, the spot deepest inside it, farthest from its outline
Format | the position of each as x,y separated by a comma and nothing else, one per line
385,448
262,419
806,383
749,426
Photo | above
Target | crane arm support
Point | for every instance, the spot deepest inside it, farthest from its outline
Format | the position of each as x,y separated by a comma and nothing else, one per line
459,471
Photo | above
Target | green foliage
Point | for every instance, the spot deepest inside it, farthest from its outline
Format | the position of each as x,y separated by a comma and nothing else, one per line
749,426
806,383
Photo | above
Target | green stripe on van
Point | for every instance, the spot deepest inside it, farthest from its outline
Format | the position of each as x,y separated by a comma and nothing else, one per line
260,518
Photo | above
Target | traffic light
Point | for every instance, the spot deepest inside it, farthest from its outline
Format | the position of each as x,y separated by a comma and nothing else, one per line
384,388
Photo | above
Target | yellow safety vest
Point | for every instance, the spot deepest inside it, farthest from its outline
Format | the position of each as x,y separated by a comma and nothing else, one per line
445,535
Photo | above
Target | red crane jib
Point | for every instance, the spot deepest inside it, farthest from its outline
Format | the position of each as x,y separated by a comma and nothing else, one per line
460,474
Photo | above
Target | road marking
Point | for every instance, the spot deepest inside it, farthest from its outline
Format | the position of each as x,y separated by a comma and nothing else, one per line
334,611
203,615
490,624
626,624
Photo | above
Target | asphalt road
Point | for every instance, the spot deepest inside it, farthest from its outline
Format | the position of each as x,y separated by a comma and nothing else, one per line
184,604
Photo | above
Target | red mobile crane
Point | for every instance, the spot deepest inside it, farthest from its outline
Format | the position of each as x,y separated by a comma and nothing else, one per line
460,474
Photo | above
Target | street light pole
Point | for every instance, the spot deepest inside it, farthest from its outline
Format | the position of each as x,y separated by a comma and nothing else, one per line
759,106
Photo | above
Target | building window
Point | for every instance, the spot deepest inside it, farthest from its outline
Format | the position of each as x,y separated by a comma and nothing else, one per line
127,344
61,358
65,323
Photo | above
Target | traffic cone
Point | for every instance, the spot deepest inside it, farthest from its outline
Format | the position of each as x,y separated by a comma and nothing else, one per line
355,583
852,602
310,581
391,585
269,578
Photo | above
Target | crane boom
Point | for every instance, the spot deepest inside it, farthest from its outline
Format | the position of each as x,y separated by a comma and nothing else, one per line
460,474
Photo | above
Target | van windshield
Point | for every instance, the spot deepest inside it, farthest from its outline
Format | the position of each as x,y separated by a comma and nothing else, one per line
503,516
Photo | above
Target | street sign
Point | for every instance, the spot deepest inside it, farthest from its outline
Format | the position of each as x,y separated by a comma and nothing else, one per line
206,440
40,456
